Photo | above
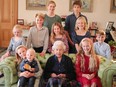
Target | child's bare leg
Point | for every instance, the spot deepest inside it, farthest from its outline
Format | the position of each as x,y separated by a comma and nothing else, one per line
93,84
86,85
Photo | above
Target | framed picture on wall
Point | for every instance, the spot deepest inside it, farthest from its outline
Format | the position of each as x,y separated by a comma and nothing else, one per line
109,25
113,6
86,5
20,21
94,25
36,4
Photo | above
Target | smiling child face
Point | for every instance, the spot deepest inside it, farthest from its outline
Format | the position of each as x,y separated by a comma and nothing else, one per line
30,55
22,52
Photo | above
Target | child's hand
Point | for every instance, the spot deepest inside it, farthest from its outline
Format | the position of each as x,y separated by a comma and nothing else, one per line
86,76
92,76
42,54
32,69
7,53
25,74
4,56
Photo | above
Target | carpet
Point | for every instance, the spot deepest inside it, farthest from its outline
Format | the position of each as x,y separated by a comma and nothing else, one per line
2,51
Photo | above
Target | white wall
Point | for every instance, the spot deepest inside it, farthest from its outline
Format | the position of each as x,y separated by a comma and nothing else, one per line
101,12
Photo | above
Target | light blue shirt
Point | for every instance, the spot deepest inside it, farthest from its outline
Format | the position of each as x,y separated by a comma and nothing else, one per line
103,49
14,44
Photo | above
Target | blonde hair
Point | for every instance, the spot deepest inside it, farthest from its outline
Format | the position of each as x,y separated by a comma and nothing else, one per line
18,58
57,44
93,57
32,50
40,15
51,2
52,36
17,27
84,20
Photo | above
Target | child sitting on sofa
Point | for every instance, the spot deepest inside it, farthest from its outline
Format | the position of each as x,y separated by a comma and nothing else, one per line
15,41
87,65
30,66
21,55
102,48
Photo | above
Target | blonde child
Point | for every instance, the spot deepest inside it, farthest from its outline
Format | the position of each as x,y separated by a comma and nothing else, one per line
81,31
71,20
29,66
15,41
21,55
102,48
57,33
38,35
87,65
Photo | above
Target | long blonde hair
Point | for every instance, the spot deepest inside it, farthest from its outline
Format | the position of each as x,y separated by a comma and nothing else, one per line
52,36
93,57
18,58
85,22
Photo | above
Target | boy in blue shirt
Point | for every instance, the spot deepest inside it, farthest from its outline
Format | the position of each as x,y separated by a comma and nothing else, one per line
102,48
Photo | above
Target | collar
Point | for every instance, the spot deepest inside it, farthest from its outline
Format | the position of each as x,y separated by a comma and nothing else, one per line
56,59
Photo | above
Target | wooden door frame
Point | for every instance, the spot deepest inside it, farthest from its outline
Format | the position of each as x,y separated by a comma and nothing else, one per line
14,16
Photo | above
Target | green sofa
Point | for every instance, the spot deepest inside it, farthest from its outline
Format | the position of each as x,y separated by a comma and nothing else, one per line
106,72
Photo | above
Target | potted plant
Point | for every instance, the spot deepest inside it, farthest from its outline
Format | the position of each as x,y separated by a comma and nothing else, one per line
113,48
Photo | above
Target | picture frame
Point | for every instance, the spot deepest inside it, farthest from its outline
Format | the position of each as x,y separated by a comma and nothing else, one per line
87,5
109,25
94,25
20,21
113,6
36,4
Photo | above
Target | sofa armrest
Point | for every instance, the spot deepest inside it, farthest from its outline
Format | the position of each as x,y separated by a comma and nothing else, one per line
8,68
107,77
106,71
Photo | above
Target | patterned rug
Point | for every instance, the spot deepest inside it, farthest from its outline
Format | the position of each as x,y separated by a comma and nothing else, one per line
2,51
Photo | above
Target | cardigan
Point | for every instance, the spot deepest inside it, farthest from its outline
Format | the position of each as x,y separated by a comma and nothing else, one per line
65,67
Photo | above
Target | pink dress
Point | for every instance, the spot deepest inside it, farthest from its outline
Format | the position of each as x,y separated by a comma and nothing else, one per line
83,80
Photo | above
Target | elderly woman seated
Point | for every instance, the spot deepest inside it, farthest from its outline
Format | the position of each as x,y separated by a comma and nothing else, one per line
59,69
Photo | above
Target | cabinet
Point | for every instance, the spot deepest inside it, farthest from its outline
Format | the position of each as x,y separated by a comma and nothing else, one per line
93,33
8,18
